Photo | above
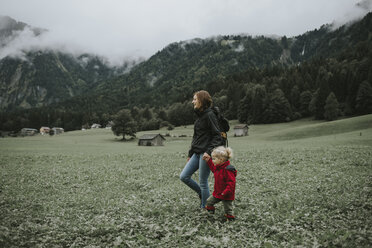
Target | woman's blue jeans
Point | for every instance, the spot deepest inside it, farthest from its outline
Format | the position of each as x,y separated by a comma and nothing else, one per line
202,189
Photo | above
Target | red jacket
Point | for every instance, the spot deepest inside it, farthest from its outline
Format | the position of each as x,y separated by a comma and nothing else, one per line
224,180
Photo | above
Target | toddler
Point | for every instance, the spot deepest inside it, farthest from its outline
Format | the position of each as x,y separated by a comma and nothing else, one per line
224,181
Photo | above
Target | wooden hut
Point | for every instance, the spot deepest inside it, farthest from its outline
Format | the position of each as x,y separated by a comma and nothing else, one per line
44,130
56,130
28,131
151,140
241,130
95,125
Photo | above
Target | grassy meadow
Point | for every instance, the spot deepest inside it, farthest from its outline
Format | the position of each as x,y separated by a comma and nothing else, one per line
300,184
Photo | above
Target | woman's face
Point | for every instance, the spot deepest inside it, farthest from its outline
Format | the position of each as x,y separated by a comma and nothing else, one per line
196,102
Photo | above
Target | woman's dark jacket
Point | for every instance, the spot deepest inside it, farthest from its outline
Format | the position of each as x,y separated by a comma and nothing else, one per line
207,133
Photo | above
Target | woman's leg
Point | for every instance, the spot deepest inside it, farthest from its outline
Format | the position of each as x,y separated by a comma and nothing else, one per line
203,180
189,169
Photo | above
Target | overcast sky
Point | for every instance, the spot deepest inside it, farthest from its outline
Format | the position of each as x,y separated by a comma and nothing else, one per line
131,28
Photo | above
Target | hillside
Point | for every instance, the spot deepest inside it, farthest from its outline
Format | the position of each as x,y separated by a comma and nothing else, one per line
343,126
48,77
253,79
35,78
170,75
311,129
305,131
173,74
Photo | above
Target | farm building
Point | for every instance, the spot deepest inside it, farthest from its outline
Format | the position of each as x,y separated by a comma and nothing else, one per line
151,140
241,130
56,130
28,131
44,130
95,125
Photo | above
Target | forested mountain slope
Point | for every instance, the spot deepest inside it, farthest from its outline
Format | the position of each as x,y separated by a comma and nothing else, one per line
173,73
39,77
254,79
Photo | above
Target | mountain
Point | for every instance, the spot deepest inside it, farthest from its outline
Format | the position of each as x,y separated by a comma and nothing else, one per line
253,79
37,78
49,77
174,73
170,75
10,30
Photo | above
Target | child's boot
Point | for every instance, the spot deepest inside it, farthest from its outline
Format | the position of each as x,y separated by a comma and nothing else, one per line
210,209
229,217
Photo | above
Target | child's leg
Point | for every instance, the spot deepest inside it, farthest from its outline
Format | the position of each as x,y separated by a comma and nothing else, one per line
210,203
212,200
228,206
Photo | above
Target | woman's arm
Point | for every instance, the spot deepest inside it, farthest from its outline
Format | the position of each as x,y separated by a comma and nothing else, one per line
216,139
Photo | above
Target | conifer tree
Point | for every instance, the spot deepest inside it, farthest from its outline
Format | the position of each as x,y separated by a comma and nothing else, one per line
364,98
318,101
305,99
322,92
278,108
147,114
312,104
245,108
331,108
295,97
259,103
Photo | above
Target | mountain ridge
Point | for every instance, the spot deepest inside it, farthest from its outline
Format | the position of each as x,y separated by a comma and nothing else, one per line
166,68
289,75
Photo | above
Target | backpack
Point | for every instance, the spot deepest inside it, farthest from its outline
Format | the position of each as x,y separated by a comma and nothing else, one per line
223,123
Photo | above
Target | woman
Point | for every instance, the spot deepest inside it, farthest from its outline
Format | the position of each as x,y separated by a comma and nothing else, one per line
206,137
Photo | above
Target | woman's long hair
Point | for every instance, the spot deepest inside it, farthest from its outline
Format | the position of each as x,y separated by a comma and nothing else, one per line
204,98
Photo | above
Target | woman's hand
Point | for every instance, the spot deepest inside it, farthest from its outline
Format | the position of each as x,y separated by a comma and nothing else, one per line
206,156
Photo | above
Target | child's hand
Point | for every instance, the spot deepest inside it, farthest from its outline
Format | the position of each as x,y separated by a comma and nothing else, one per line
225,193
206,156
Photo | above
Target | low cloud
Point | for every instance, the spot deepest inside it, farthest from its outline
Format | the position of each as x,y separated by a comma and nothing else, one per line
121,30
17,39
20,42
354,14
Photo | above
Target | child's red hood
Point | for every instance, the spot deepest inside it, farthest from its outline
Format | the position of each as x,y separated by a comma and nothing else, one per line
223,165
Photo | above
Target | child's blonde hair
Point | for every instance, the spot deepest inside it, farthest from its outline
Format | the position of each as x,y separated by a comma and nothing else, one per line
222,152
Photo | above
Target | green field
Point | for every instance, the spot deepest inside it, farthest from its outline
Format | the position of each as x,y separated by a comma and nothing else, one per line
300,184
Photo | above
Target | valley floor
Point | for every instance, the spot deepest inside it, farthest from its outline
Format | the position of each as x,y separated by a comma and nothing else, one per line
305,183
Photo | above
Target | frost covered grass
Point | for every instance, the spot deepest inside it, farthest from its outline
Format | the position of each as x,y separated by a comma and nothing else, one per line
86,189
